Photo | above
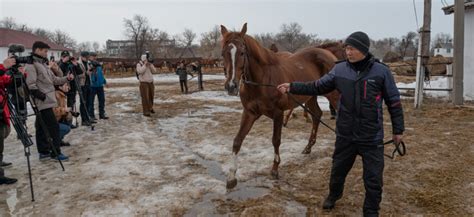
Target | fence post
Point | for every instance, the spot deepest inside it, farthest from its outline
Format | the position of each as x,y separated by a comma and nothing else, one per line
449,74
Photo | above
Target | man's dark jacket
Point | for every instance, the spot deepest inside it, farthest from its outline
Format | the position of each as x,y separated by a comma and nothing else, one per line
360,114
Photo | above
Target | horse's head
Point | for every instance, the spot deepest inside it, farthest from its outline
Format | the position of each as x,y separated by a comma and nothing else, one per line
234,53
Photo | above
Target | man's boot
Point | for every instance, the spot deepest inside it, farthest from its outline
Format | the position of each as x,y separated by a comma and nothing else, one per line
330,202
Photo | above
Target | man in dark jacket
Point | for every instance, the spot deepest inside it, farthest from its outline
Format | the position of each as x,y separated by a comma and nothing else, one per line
69,65
363,83
183,78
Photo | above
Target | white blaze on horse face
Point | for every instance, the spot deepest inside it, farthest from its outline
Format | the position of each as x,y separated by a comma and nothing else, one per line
233,50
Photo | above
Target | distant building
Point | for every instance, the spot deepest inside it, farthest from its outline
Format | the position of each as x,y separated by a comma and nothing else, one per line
445,50
10,36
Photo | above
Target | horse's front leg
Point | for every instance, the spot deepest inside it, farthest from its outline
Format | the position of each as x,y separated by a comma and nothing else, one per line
276,140
246,123
316,110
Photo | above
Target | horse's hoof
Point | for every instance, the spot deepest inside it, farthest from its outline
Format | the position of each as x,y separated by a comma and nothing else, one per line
306,151
274,174
231,183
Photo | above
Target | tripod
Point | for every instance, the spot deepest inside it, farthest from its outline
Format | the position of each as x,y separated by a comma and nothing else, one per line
81,96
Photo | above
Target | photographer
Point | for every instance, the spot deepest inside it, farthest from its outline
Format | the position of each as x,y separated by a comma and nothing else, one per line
41,81
85,83
183,77
69,65
63,113
5,115
97,86
145,72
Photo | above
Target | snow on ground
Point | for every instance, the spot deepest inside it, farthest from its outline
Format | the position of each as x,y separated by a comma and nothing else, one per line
439,82
163,78
132,165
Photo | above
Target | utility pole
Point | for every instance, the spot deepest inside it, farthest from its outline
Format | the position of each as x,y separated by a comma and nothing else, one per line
423,53
458,70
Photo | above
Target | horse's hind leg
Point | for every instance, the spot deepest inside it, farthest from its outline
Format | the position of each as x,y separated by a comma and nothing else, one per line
276,140
287,117
246,123
313,106
333,97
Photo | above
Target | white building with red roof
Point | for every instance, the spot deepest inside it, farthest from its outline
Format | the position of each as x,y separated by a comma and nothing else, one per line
10,36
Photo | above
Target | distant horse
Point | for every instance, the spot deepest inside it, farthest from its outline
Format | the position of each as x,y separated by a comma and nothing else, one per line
254,71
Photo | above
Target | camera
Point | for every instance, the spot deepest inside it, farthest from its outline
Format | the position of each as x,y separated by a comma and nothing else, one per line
13,50
149,58
93,64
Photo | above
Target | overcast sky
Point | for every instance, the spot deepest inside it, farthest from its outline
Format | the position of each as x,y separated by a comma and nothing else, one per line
100,20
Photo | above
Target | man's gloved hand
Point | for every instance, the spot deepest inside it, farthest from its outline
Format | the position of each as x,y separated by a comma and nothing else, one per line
38,94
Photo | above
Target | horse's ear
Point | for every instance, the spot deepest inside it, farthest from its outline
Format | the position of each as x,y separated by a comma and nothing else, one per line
223,30
244,30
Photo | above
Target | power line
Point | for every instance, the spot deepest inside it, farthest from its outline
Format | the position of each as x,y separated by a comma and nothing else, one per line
416,16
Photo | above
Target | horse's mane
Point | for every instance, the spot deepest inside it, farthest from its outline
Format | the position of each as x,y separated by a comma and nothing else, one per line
262,54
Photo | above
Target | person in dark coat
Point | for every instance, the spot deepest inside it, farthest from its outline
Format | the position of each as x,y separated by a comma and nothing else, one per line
363,83
183,77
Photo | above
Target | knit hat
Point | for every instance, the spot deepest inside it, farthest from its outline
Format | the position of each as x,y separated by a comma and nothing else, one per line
360,41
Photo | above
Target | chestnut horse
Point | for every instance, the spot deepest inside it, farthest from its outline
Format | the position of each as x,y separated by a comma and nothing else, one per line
337,49
254,71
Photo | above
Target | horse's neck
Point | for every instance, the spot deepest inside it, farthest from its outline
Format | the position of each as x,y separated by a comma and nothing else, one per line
259,58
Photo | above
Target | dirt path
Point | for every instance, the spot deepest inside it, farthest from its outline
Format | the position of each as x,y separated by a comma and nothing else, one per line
175,163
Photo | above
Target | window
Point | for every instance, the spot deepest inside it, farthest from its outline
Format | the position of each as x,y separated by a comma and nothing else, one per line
448,50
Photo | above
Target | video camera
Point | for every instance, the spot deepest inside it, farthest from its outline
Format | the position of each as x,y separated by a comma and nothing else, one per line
149,58
13,51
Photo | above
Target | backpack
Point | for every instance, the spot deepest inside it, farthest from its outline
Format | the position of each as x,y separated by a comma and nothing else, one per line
136,73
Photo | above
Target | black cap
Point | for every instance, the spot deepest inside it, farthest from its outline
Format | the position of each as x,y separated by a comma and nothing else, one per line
40,45
84,54
360,41
65,53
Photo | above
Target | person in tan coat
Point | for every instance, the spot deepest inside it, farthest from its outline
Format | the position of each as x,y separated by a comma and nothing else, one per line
41,81
145,72
63,113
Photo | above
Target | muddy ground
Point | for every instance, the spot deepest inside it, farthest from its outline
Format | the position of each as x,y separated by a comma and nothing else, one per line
175,163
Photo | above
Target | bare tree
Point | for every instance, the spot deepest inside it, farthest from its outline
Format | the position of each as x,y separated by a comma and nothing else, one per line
43,33
62,38
210,42
139,31
266,39
84,46
9,23
407,43
188,37
292,38
96,46
186,40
